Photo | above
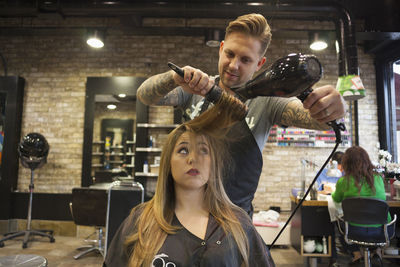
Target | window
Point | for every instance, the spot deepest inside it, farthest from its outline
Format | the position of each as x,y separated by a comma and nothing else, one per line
388,96
396,85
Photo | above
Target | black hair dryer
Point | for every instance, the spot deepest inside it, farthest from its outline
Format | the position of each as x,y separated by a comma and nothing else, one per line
293,75
289,76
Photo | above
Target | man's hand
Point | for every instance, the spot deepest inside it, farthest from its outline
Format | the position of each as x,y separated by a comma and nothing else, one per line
325,104
195,81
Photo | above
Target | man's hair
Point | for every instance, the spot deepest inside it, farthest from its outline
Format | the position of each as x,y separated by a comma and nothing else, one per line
338,157
254,25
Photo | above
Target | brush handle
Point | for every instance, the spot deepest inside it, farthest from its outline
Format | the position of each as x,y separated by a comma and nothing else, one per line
175,68
213,95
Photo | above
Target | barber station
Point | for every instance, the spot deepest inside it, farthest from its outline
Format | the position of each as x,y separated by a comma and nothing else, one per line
107,157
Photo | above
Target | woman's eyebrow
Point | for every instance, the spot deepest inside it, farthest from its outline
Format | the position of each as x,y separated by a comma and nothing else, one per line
183,143
202,143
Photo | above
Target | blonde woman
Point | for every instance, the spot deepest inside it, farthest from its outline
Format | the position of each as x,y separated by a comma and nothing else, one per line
190,221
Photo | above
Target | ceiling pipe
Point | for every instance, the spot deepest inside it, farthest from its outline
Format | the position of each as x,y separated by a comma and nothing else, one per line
283,9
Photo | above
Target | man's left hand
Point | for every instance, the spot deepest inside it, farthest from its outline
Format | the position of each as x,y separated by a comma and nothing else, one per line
325,104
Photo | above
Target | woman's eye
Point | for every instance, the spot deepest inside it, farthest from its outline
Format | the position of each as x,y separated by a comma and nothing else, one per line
204,150
183,150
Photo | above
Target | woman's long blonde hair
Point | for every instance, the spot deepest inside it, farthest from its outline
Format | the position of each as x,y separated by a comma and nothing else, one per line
154,224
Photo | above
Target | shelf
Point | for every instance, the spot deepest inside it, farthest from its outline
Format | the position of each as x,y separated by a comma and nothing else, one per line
117,147
295,141
153,125
391,256
318,254
130,142
130,154
98,142
148,174
97,165
116,161
129,166
148,149
117,154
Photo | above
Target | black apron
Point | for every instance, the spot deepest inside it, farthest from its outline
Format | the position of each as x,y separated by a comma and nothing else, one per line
241,183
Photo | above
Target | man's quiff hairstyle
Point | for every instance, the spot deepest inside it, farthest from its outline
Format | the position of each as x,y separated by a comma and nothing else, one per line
254,25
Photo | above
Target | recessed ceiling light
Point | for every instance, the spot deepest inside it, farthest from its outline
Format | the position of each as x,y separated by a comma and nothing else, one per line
122,95
111,106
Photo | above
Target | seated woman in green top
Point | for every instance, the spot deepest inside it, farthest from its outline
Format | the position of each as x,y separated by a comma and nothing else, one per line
359,180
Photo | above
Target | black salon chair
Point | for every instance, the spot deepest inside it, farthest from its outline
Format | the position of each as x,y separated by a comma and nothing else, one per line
33,151
89,208
363,210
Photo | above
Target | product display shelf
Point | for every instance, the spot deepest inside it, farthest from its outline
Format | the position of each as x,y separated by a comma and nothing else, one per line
146,149
297,137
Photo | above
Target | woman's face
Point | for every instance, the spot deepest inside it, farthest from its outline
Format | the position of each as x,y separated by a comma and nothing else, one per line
191,161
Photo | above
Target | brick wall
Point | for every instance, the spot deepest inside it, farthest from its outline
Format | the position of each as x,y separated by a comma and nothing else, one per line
55,64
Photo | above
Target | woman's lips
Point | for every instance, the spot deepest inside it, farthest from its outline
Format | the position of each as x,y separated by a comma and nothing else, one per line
193,172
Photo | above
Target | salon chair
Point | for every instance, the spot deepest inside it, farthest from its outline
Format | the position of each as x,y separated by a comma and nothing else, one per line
89,208
363,210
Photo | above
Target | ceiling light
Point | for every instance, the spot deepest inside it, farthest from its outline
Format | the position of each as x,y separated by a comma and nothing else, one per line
111,106
214,37
122,95
318,41
95,39
255,4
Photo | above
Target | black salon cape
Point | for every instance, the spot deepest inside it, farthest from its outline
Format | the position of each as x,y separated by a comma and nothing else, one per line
185,249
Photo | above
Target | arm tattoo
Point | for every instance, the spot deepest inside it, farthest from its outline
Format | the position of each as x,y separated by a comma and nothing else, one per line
157,90
295,115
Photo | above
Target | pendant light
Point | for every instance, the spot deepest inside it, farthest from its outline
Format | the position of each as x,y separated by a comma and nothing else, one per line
95,39
318,41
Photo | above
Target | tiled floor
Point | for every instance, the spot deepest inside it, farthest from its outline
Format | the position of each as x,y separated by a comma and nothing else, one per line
60,253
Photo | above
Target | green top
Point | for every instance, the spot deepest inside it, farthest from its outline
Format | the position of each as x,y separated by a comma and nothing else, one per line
345,190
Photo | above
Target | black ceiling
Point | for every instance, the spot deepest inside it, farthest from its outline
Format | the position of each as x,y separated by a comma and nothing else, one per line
377,21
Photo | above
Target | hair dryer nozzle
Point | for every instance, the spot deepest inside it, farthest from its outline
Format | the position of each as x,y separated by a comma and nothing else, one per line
288,76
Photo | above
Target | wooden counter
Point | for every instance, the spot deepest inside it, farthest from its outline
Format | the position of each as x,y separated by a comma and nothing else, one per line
392,202
312,220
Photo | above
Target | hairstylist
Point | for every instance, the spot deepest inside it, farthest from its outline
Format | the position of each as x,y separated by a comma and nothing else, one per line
241,54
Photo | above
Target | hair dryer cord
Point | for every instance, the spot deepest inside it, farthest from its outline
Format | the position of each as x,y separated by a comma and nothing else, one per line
337,127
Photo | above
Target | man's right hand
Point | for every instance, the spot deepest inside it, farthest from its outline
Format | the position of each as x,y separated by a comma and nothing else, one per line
195,81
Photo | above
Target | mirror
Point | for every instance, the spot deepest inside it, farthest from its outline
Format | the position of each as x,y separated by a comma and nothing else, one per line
2,126
11,101
109,130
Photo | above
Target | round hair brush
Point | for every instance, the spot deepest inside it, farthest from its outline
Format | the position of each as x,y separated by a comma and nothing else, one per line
217,96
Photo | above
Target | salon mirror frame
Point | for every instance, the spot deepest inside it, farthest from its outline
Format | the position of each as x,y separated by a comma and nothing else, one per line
101,86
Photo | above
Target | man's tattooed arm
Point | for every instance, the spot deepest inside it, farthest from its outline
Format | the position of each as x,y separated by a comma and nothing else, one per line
158,90
295,115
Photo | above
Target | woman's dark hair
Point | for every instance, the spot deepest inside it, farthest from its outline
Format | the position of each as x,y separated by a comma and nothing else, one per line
338,155
356,163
